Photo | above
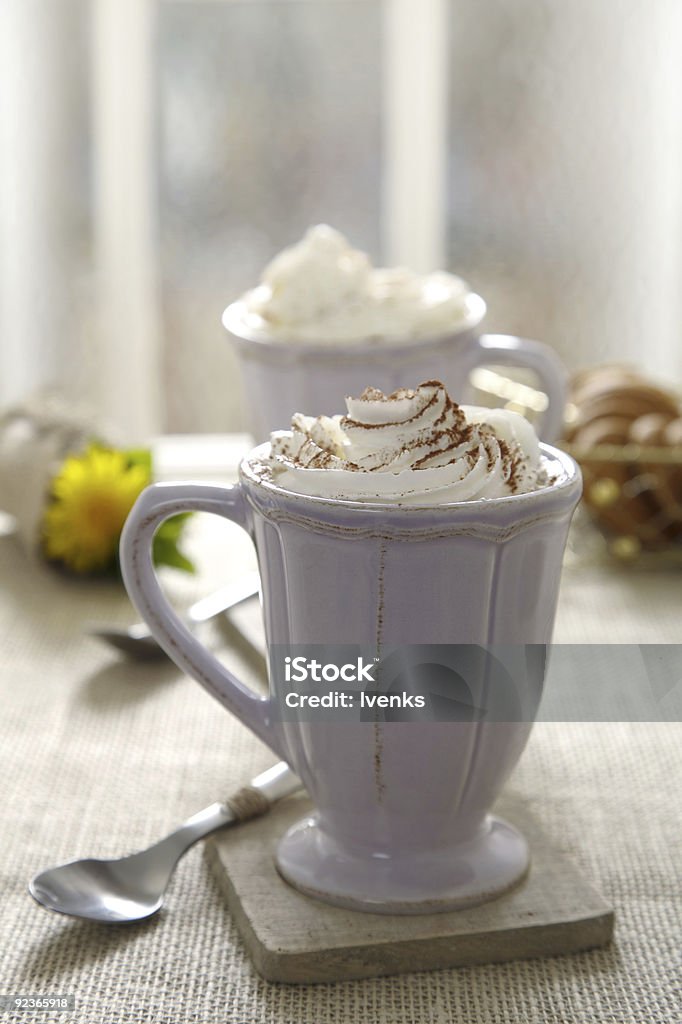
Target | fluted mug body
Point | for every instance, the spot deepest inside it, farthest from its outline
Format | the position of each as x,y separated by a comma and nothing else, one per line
402,820
408,794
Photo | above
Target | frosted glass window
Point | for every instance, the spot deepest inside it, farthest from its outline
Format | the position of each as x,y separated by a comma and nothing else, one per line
269,122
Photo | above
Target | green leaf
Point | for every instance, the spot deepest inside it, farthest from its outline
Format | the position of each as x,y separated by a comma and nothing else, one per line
173,527
140,457
168,554
165,550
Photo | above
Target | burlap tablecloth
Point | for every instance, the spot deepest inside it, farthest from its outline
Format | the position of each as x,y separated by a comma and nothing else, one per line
100,756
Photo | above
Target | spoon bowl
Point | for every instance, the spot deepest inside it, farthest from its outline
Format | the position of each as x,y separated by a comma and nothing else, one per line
128,889
132,888
137,642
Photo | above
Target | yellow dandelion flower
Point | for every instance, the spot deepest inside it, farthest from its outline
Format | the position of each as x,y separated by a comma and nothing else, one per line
91,497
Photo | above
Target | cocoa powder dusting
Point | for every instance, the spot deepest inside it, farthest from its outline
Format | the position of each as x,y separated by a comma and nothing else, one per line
322,460
513,465
490,456
401,393
456,437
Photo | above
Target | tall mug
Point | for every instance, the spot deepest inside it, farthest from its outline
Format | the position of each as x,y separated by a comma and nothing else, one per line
402,821
281,375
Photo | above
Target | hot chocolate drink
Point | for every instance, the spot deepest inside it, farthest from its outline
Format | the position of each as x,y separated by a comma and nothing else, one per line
324,321
412,535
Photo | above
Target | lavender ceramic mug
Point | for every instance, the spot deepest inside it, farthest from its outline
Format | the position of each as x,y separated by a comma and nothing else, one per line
402,822
279,375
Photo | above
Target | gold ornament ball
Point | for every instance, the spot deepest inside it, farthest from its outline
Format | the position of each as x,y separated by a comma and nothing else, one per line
625,548
604,492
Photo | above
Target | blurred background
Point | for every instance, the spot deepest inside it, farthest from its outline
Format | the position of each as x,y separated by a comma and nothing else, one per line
155,154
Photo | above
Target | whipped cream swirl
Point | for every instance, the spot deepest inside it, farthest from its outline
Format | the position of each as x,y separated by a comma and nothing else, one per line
413,447
322,290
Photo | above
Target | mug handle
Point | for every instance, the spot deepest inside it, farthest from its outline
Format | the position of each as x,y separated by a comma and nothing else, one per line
509,350
154,505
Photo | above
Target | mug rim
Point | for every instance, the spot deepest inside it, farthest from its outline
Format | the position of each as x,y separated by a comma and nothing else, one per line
235,320
571,471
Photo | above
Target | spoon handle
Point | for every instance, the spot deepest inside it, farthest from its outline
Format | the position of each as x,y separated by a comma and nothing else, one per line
227,597
207,608
248,802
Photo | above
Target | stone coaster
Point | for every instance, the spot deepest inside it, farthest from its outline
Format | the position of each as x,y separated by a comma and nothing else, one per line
293,938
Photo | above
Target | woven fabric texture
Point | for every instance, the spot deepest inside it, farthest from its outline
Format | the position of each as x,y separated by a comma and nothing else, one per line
100,757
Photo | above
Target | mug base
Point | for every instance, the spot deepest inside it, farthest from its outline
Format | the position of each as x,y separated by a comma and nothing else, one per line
450,878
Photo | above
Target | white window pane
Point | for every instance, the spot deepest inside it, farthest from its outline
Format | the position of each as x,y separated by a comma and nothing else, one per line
269,122
565,170
45,189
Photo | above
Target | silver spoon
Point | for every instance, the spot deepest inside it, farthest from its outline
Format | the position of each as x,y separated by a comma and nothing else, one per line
137,641
132,888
